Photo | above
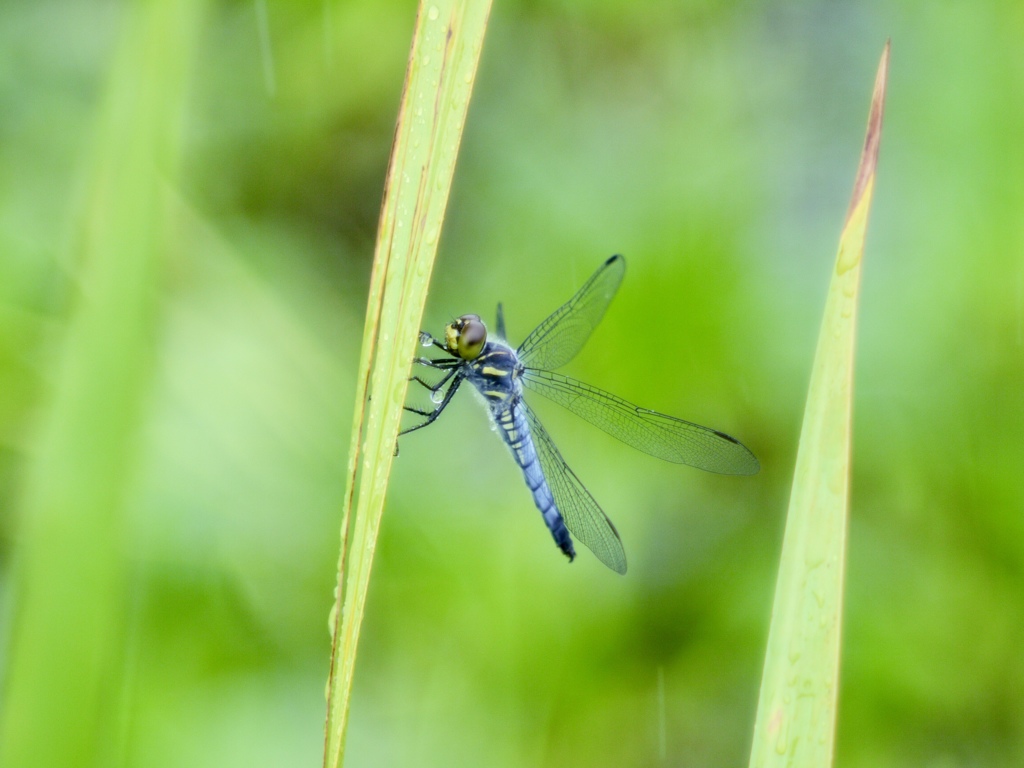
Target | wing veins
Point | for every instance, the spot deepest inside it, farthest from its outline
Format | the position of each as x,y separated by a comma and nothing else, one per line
563,333
656,434
582,514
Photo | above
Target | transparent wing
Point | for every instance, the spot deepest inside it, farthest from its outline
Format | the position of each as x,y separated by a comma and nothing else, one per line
664,437
583,516
499,325
556,341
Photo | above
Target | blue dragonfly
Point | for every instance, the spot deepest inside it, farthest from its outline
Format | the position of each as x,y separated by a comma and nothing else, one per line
500,374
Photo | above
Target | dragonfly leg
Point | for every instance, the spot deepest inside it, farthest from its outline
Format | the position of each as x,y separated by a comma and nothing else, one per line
444,363
426,340
452,370
431,416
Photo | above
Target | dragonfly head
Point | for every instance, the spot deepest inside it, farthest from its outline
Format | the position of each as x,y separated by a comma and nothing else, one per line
465,337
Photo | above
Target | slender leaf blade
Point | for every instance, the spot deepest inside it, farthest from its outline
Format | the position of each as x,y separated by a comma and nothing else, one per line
796,712
442,67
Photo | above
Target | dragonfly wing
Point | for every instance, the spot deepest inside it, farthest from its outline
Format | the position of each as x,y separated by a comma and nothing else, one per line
664,437
583,516
556,341
499,325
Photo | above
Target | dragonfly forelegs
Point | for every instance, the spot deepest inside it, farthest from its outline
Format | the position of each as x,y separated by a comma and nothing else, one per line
431,416
452,367
427,340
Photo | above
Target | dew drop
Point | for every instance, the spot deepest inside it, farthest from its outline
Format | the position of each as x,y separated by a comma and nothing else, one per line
433,13
849,257
782,737
794,653
426,340
332,620
437,397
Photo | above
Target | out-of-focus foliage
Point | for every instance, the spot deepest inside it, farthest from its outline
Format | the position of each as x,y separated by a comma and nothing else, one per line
713,145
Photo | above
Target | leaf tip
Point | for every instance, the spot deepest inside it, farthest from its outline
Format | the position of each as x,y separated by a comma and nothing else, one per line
873,138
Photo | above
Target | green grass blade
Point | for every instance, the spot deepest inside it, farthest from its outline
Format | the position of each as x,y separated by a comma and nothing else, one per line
797,707
442,67
64,673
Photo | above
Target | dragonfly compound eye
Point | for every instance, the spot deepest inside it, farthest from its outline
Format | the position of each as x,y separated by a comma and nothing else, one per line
466,337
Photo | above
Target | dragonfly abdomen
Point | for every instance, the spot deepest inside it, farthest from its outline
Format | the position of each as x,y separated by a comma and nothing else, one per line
516,432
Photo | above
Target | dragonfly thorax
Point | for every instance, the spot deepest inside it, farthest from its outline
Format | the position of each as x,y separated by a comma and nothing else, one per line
465,337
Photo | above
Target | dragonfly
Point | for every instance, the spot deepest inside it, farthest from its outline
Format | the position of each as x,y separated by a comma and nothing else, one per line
500,374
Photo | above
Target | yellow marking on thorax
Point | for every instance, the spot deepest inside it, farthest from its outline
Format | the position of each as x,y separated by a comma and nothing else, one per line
496,393
488,370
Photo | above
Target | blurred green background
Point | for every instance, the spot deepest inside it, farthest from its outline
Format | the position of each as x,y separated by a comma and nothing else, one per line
714,144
